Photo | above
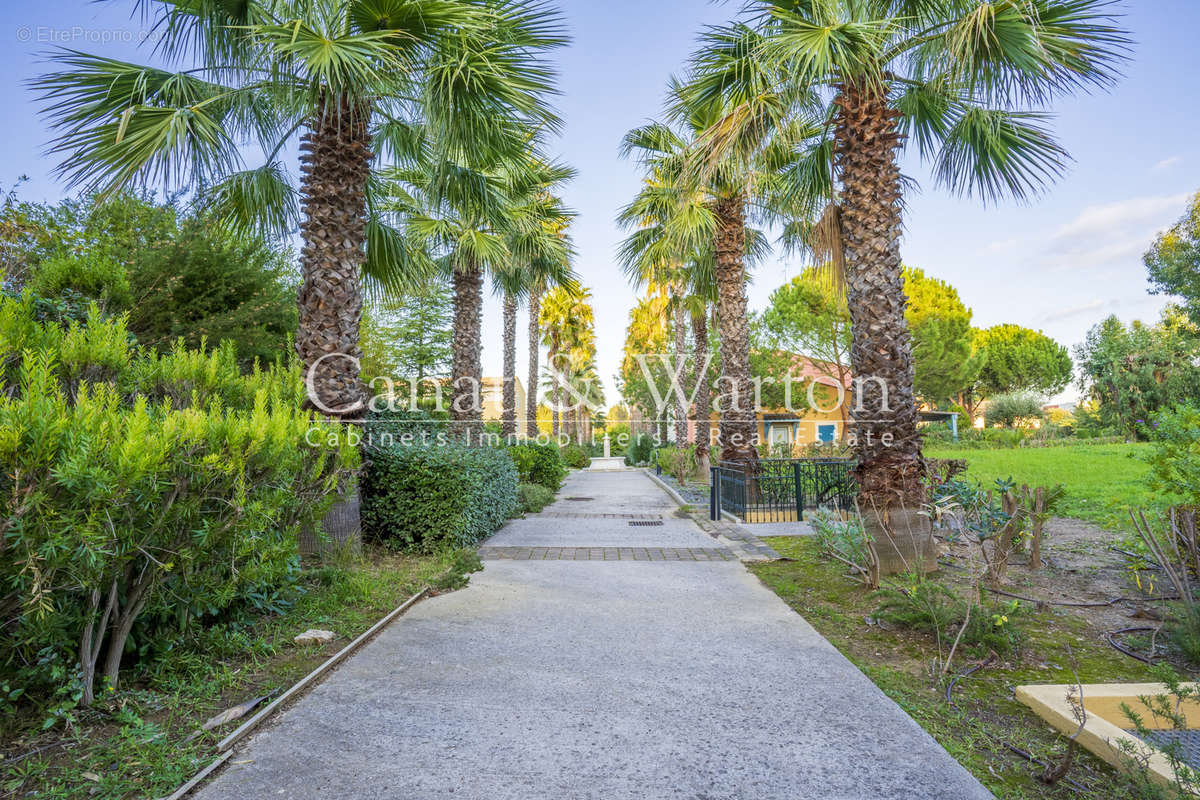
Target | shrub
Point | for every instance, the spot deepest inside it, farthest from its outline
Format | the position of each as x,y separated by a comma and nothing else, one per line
1014,410
678,462
925,605
177,271
386,427
618,437
93,276
640,450
207,282
1175,461
576,457
538,463
532,498
143,493
432,496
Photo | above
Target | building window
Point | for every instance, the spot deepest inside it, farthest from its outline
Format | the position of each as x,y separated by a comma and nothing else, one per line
827,434
781,434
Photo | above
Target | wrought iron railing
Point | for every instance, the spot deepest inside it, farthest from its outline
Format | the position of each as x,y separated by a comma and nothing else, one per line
779,490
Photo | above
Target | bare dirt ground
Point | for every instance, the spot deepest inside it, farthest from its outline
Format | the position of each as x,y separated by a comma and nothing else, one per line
1080,566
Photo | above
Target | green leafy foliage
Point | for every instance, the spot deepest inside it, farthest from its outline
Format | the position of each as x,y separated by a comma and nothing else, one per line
1174,261
678,462
640,450
408,337
1175,458
1134,372
944,357
144,493
430,496
92,275
206,283
576,457
177,272
1019,409
1018,359
533,497
538,463
931,607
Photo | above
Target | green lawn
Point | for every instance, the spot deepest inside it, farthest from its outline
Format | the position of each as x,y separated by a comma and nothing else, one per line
1102,481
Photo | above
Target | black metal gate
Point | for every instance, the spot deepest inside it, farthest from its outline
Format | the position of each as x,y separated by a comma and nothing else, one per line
779,490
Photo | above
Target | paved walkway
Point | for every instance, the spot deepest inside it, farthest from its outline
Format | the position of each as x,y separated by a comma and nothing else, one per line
620,678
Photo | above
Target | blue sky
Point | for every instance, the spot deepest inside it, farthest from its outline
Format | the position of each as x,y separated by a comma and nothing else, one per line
1059,264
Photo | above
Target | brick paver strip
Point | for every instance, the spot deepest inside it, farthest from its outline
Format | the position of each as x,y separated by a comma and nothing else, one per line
608,554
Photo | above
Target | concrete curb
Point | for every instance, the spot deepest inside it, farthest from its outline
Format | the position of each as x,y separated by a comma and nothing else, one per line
225,746
666,488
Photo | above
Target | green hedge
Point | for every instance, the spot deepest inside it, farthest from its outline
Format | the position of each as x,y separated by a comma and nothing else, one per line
538,463
427,497
533,498
576,457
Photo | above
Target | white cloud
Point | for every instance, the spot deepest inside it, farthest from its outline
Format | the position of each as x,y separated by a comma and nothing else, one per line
1112,233
1166,164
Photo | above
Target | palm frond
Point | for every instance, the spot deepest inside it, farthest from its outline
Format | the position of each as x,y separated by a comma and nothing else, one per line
995,153
260,200
395,263
121,123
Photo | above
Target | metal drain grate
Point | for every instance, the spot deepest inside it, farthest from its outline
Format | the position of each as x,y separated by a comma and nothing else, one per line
1188,742
646,523
580,499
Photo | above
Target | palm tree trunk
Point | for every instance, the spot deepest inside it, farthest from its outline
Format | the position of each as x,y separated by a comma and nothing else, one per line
738,427
467,368
703,433
890,469
508,426
531,404
335,164
680,325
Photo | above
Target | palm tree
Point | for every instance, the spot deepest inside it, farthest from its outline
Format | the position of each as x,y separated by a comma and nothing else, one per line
479,221
352,79
700,218
567,323
541,252
650,256
966,81
719,190
582,376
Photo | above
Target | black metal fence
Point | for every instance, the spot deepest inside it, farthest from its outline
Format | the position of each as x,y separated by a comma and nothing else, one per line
779,490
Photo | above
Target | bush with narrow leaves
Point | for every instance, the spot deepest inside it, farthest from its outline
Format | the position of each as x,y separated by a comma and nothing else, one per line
143,493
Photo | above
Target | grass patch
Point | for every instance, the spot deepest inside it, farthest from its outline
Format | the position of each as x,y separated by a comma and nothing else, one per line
1103,481
135,743
985,716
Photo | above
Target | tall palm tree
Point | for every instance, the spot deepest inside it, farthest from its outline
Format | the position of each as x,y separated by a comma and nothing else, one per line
480,221
582,376
735,186
700,218
541,252
351,79
649,256
967,82
567,323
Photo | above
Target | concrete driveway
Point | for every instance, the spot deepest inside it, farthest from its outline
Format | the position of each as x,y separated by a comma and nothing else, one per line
593,658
